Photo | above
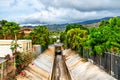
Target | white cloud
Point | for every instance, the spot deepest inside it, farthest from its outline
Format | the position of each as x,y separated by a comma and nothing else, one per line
57,11
84,4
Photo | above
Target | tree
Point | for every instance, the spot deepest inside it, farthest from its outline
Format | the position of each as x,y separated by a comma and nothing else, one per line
63,35
1,34
71,26
3,29
3,22
76,38
13,29
9,29
53,36
40,35
106,37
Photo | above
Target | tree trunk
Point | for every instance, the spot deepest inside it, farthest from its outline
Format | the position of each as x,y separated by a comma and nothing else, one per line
15,43
15,54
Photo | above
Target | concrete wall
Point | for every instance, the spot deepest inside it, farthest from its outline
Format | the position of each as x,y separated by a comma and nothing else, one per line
37,49
24,46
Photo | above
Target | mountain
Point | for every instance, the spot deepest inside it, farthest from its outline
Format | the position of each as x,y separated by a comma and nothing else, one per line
57,27
87,23
94,21
60,27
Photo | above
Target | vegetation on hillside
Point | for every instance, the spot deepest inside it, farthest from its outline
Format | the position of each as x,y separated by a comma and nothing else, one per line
99,39
106,37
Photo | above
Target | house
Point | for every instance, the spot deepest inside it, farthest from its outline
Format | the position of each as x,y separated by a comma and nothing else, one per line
27,31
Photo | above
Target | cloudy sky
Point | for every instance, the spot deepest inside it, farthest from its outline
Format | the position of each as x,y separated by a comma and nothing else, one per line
57,11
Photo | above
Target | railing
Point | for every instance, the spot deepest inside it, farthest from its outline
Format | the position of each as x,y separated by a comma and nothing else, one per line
109,62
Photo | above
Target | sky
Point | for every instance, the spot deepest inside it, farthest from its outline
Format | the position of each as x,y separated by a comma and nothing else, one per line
57,11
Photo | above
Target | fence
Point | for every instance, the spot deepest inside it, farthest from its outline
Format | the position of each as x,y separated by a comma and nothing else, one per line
2,70
109,62
6,69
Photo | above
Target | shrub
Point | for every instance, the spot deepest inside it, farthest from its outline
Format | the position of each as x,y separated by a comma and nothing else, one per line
23,60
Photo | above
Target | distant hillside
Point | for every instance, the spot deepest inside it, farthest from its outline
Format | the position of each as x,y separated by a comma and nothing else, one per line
94,21
60,27
92,25
88,23
56,27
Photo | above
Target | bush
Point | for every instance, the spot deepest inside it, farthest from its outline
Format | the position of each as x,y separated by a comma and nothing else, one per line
23,60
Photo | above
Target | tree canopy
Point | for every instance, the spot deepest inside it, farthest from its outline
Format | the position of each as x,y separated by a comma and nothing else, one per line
106,37
8,29
74,36
40,35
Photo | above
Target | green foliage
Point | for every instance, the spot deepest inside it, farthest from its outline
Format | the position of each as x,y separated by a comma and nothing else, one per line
71,26
106,37
55,33
40,35
53,36
74,36
13,46
112,22
23,60
3,22
52,40
62,36
8,29
99,50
